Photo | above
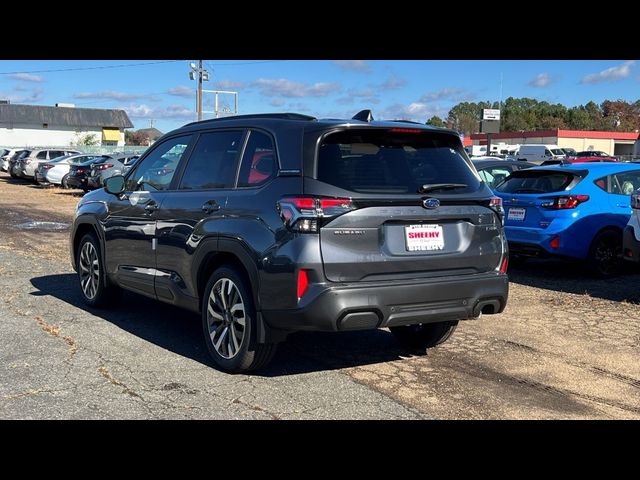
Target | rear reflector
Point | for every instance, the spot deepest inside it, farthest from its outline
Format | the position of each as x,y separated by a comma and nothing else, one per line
504,265
555,243
303,283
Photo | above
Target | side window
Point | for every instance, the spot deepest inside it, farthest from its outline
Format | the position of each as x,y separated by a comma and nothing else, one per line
625,183
159,167
259,160
547,152
42,155
498,174
602,184
55,154
213,161
486,177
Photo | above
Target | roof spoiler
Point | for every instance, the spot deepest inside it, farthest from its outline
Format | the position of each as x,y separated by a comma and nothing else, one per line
364,116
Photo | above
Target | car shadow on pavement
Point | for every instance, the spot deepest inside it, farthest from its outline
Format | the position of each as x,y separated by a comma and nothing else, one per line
572,277
179,331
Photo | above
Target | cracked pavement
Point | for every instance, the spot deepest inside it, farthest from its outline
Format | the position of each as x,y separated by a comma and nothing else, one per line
566,347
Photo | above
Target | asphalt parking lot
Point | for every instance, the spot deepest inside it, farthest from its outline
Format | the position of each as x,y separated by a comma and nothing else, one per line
566,347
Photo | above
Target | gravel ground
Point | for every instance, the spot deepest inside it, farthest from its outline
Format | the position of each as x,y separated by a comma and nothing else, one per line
567,346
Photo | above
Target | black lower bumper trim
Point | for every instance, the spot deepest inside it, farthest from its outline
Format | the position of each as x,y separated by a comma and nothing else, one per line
630,246
368,306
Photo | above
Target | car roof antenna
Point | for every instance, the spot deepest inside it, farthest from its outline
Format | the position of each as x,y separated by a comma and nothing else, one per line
364,115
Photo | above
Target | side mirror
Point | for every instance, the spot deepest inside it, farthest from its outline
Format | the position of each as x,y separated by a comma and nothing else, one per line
114,185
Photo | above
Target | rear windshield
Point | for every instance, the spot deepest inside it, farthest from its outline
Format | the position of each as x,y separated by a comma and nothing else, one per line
388,162
541,181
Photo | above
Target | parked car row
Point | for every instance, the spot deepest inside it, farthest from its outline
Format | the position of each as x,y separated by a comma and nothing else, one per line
67,168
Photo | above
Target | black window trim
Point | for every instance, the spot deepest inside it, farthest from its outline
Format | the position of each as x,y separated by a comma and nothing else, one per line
185,156
274,174
184,161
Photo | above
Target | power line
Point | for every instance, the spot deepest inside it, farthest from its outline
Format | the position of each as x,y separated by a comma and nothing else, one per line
249,63
99,67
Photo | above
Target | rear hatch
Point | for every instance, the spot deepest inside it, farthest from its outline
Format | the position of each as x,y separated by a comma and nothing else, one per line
528,196
415,207
82,169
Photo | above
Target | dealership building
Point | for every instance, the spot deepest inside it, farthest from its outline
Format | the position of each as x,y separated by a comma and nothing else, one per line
613,143
61,125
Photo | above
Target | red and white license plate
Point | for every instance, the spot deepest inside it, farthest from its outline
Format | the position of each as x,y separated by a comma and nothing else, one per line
424,237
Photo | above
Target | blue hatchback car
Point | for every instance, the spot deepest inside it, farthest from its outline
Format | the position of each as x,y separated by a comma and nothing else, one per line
576,211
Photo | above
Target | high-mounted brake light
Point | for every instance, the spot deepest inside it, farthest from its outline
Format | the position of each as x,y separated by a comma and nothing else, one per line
565,202
406,130
302,214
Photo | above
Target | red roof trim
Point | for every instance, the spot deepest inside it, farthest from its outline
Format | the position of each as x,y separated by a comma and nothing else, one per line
560,134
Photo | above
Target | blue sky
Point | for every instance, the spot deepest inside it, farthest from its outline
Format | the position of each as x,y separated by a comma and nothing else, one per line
411,89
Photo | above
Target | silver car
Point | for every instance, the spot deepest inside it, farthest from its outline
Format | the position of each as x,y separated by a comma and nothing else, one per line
109,166
29,164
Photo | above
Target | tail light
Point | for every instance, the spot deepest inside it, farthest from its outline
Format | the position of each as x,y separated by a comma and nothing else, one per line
47,167
303,283
635,201
81,170
103,166
566,202
303,214
495,204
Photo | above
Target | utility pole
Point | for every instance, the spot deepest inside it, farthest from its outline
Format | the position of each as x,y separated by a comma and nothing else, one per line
201,75
199,90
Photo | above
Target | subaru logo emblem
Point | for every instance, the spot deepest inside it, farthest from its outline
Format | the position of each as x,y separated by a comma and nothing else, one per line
431,203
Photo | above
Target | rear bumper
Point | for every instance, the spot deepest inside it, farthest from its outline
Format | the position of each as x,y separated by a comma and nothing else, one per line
367,306
94,182
41,179
630,245
75,182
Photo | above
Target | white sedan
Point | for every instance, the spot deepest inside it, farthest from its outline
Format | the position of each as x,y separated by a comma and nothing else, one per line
57,172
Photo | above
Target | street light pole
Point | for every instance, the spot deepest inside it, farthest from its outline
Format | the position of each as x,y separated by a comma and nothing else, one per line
199,90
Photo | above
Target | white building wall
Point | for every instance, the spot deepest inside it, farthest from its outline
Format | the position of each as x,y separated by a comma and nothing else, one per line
26,135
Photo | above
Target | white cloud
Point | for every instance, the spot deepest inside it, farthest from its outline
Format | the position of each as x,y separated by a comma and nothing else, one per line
353,65
287,88
228,85
610,74
172,111
111,95
367,92
416,111
36,95
444,94
277,102
541,80
392,83
181,91
26,77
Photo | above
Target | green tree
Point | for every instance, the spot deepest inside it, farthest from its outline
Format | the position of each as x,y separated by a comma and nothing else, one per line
87,139
436,121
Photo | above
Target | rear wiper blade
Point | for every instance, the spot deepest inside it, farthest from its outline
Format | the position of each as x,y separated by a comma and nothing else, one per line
431,187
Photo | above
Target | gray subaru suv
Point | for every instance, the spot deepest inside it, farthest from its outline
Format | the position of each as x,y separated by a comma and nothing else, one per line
273,223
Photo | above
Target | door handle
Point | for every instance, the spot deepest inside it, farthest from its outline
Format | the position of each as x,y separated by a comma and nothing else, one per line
151,207
210,207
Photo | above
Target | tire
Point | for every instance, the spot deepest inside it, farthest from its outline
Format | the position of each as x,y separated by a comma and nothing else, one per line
64,182
95,293
425,335
222,328
605,254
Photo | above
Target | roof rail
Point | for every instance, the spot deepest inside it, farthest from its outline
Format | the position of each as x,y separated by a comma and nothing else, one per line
277,116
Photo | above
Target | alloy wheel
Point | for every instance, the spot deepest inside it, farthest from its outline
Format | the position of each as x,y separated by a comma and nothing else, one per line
226,318
89,270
